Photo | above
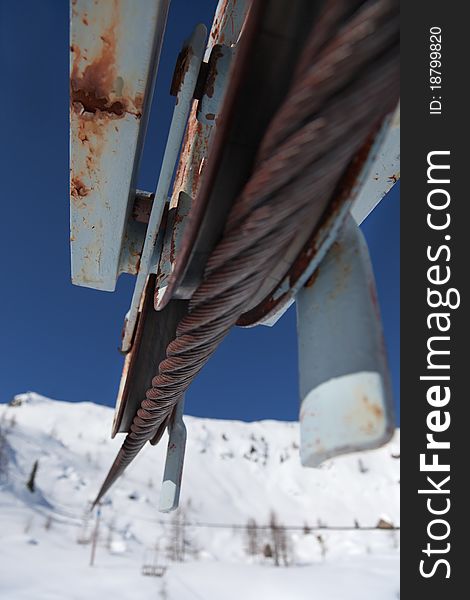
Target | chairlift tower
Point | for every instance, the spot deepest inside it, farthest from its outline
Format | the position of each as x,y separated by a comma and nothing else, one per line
284,136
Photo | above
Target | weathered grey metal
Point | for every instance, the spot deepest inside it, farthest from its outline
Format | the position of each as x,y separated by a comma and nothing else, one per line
228,22
176,223
194,50
221,48
383,173
346,401
219,64
131,250
171,485
204,117
115,48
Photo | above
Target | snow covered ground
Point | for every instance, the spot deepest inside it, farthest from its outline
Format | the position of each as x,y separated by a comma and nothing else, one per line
234,472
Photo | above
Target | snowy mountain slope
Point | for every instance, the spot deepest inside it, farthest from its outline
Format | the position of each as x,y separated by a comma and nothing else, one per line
234,472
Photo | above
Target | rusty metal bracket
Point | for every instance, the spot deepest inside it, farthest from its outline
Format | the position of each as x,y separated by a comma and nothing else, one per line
194,50
222,48
346,400
205,116
114,54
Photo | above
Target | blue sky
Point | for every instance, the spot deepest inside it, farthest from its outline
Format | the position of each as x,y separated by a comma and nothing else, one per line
60,340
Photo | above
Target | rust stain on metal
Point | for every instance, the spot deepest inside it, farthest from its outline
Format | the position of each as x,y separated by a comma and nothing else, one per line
216,54
375,410
367,415
191,165
224,14
311,280
78,189
343,270
185,151
181,68
196,164
95,90
91,103
96,100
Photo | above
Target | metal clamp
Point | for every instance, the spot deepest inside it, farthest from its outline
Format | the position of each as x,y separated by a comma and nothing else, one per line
194,52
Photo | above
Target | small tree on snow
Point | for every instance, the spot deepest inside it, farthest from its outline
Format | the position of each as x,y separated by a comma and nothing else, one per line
3,453
362,467
30,484
252,542
279,542
285,547
322,543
